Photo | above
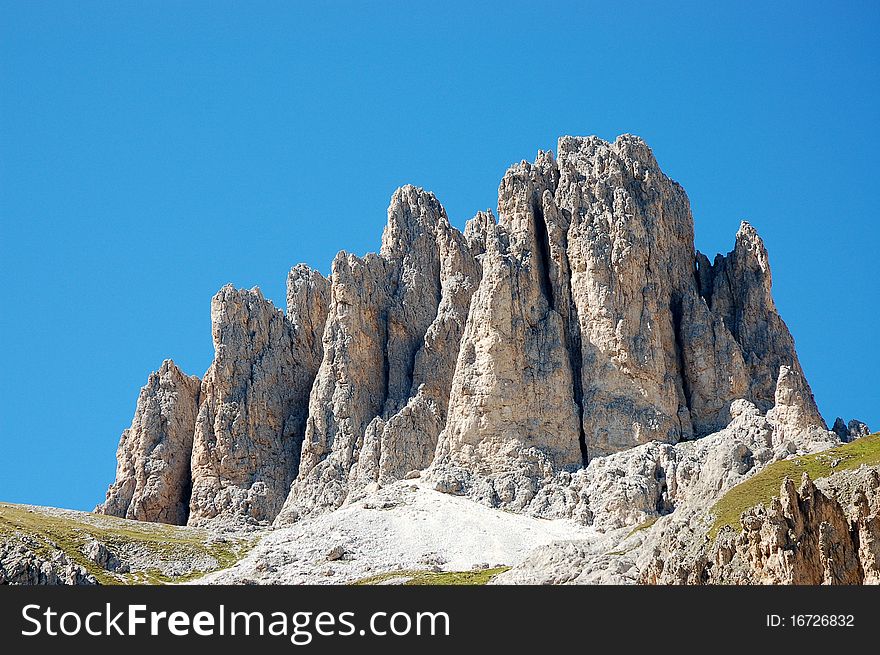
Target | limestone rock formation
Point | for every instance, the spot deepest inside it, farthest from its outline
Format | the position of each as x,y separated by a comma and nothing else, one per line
408,439
153,458
98,552
251,421
855,429
630,248
737,289
22,565
611,338
652,480
804,536
794,414
512,402
580,329
395,319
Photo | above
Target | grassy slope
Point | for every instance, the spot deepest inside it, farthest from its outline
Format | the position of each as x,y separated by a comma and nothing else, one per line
763,486
49,530
479,577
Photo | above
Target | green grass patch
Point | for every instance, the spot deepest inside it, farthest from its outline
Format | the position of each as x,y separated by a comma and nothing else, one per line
47,531
644,525
419,578
763,486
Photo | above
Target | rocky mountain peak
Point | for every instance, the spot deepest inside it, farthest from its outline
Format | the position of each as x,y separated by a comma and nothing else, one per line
153,458
580,324
415,218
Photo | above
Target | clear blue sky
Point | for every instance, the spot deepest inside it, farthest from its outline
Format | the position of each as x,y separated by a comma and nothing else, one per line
151,152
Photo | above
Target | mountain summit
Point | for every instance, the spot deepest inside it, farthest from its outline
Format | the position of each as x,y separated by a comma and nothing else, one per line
496,363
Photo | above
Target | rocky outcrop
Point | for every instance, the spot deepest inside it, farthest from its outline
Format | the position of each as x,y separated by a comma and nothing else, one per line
856,429
99,553
803,536
579,325
379,398
794,414
250,425
153,458
512,407
227,447
594,326
641,484
736,288
630,251
21,564
407,440
851,431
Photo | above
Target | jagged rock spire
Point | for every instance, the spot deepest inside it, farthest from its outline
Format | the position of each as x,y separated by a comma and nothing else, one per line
153,458
581,323
378,401
512,408
855,429
736,288
250,424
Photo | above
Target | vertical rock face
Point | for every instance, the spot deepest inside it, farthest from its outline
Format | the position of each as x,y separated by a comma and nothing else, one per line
580,324
153,458
713,371
308,300
512,402
737,289
630,247
598,327
606,243
394,322
350,386
250,425
408,439
794,414
308,297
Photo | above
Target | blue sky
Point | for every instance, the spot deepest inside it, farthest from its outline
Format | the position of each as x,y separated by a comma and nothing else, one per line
151,152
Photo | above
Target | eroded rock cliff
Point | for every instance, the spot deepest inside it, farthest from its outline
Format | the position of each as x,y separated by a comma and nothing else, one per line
499,361
249,430
395,321
804,536
153,458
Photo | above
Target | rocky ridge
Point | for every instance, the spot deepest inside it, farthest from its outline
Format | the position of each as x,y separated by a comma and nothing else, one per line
519,363
21,565
821,528
51,546
803,537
